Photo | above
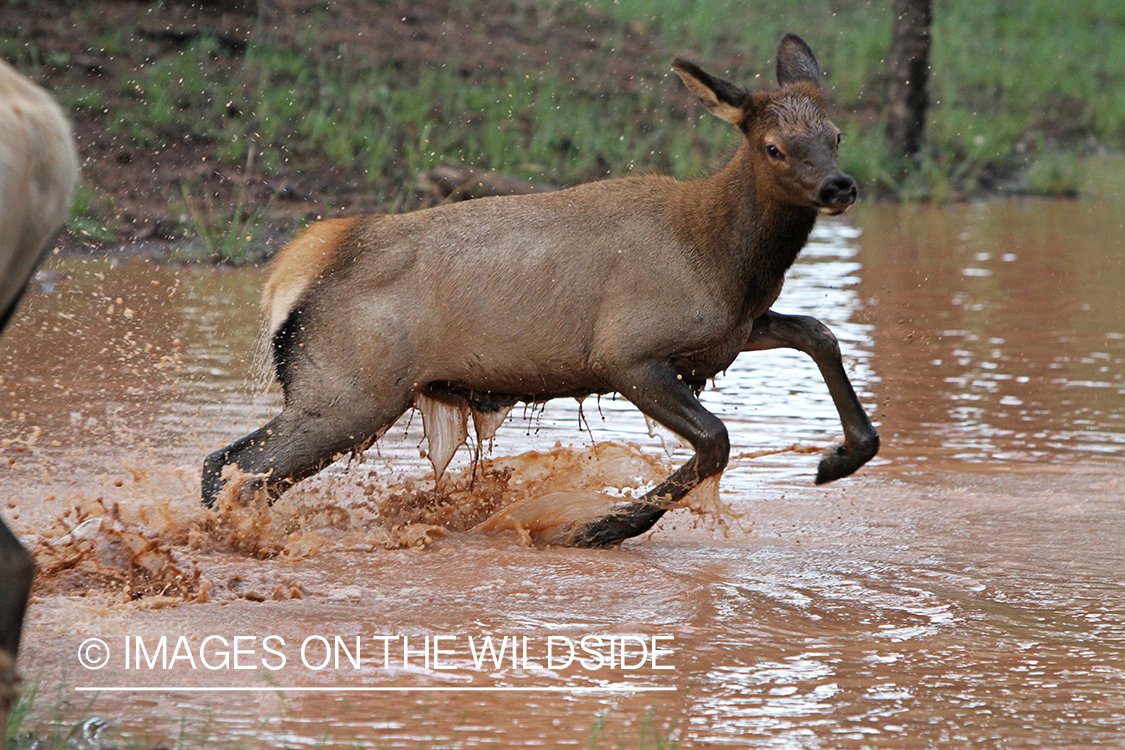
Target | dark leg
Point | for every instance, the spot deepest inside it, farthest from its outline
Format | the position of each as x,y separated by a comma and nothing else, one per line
18,570
809,335
661,395
8,314
296,444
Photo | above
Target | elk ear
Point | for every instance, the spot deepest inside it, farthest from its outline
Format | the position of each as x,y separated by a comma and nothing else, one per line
723,98
795,62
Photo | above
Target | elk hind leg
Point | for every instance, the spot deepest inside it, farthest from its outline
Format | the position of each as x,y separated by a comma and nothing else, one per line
298,443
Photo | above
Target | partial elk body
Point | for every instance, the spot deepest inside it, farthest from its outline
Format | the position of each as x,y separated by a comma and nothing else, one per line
38,174
643,286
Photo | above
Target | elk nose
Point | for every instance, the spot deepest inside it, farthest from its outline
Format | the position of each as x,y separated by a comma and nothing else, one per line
839,191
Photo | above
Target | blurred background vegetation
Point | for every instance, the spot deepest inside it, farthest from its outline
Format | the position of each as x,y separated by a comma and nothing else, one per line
234,122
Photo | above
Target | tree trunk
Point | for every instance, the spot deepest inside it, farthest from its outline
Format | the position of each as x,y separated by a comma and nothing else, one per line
908,70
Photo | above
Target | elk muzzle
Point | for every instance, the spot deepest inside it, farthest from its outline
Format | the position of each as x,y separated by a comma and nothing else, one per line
836,194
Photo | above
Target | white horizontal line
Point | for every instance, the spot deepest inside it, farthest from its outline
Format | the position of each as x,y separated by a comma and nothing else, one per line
435,689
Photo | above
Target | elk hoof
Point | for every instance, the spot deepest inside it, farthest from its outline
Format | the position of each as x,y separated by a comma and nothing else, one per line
626,521
843,460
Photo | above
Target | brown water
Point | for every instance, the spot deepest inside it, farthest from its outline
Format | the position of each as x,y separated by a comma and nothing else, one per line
966,589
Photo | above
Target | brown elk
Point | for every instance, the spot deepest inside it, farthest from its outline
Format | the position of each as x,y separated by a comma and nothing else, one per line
38,174
643,286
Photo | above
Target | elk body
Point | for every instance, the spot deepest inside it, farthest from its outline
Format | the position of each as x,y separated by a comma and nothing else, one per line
38,174
643,286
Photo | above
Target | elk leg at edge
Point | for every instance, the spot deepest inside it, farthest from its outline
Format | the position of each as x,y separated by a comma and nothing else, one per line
18,569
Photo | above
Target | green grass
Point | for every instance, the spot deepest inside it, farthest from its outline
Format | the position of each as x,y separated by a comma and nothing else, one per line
1014,86
40,722
1020,92
529,124
87,210
283,105
58,733
650,735
225,231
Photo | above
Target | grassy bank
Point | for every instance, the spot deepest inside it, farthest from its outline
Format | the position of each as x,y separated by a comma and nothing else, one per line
264,119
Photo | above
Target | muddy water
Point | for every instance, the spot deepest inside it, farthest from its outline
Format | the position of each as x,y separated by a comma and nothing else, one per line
967,589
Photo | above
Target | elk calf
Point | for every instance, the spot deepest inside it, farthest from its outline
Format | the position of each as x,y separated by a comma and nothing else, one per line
38,174
644,286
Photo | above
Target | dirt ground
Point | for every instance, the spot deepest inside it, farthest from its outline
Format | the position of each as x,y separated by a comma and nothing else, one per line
63,46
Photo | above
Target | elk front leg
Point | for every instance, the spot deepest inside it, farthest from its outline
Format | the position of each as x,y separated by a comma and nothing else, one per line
809,335
17,569
661,395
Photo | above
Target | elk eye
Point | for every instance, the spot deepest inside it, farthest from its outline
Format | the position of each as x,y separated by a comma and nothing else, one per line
839,137
774,152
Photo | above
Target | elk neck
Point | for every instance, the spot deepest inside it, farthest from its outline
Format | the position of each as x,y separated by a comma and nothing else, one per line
743,232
